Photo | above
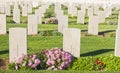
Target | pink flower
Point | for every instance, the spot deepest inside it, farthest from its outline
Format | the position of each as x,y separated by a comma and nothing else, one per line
34,66
16,67
60,67
57,55
48,62
30,63
37,61
52,62
34,56
63,64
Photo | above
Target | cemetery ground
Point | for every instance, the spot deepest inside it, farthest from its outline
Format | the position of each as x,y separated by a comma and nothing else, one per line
92,47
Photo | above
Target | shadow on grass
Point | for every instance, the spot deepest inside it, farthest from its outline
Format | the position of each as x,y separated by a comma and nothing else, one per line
4,51
84,30
103,32
97,52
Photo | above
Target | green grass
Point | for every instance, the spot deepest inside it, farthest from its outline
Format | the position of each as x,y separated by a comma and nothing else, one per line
36,43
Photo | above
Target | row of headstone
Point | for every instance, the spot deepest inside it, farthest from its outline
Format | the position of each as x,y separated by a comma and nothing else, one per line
18,42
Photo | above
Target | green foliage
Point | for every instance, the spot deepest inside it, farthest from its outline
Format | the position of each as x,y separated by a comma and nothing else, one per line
84,63
11,66
64,7
50,12
88,63
42,57
50,33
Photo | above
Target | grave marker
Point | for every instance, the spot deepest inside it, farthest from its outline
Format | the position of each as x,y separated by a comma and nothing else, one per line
2,24
80,17
16,15
71,41
32,25
62,23
17,43
117,43
93,25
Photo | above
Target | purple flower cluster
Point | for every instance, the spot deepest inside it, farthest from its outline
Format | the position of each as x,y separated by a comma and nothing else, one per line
51,20
30,61
57,59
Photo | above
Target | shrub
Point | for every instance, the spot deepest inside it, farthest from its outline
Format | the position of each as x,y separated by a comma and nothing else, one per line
50,33
57,59
94,63
42,57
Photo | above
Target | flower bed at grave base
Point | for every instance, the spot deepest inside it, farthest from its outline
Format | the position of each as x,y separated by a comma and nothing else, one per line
57,59
54,59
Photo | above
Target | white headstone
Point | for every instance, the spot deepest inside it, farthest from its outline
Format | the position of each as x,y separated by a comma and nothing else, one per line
80,17
71,41
119,21
16,5
108,11
62,23
30,7
32,25
38,13
117,43
90,12
2,8
59,13
24,10
16,15
93,25
17,43
2,24
101,15
57,7
8,9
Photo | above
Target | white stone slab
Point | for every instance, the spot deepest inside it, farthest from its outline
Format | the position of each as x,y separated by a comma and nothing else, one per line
62,23
2,24
117,43
90,12
2,8
101,15
38,13
17,43
16,15
8,9
24,10
81,16
30,7
32,25
93,25
71,41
